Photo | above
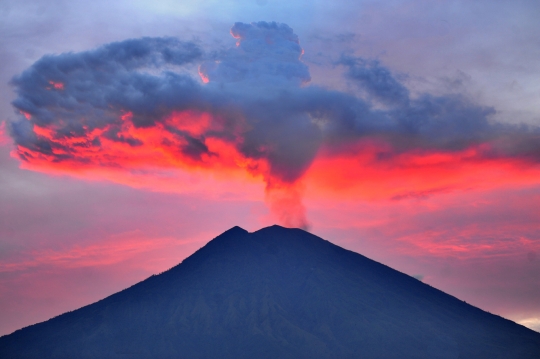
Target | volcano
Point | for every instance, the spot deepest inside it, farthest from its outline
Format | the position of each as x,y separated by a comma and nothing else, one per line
276,293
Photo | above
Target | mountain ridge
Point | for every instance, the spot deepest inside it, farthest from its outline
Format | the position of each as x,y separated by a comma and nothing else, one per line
276,292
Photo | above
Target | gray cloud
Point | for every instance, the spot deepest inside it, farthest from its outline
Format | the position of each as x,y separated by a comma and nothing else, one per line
267,54
377,80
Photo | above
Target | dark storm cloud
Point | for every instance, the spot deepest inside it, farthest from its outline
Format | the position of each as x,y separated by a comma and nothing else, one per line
450,122
434,120
258,91
74,86
76,93
377,80
268,54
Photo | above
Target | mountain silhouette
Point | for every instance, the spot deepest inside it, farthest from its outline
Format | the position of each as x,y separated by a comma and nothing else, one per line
275,293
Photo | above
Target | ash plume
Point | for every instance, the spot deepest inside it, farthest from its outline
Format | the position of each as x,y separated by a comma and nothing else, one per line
134,104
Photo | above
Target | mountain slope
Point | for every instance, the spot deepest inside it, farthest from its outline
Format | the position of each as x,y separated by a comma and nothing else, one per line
275,293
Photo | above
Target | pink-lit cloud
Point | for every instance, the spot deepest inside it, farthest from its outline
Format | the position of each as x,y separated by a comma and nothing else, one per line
4,138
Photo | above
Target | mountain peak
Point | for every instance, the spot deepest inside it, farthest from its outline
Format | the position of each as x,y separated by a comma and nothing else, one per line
277,228
235,229
276,293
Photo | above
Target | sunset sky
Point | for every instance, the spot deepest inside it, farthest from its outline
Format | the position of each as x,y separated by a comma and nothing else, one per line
133,132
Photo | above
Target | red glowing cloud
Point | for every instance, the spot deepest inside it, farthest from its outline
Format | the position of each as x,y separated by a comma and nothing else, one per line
149,157
126,146
55,85
415,174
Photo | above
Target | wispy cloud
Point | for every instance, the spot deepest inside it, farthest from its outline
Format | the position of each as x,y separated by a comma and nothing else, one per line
116,249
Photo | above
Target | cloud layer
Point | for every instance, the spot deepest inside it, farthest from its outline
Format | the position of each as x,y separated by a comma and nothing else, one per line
134,105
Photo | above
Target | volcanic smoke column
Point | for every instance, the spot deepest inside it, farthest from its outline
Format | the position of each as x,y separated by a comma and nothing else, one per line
264,71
